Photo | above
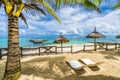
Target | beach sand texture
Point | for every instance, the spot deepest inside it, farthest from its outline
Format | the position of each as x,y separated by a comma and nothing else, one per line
54,67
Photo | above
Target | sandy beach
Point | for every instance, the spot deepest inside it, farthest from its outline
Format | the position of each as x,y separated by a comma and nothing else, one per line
54,67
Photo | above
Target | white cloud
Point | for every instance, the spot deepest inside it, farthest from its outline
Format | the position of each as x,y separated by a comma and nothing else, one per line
67,12
74,21
108,23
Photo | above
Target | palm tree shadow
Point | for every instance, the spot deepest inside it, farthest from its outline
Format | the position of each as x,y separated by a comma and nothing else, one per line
93,77
54,68
111,57
57,69
110,54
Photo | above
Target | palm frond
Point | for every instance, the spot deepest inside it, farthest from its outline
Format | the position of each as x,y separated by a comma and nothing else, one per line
96,2
89,5
46,6
117,5
58,3
65,2
23,18
50,10
8,6
34,7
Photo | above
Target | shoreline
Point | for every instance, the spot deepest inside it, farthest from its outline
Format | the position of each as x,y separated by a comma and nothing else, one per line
66,48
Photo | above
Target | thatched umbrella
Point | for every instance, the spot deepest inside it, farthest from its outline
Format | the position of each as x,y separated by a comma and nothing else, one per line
118,36
95,35
61,40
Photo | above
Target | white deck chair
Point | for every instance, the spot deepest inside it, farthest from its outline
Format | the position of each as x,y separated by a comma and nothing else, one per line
75,64
89,62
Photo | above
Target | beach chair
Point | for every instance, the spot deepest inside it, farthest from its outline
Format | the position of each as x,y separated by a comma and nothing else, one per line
90,63
75,64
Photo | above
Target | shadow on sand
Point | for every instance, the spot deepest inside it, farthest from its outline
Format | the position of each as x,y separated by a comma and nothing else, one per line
94,77
110,54
57,69
58,63
30,68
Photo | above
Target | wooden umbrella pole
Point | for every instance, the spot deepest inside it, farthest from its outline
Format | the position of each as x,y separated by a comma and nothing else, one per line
94,44
61,47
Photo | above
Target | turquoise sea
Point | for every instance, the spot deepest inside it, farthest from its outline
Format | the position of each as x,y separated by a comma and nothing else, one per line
74,40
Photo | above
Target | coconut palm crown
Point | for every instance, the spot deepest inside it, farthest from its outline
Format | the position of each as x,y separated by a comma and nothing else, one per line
14,11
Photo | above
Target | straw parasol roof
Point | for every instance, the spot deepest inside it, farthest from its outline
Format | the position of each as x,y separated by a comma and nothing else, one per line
95,35
118,36
61,39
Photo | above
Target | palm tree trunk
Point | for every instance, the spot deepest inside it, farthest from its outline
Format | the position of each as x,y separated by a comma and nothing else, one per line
13,66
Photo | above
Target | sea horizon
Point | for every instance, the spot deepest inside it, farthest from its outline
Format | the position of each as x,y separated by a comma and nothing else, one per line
73,40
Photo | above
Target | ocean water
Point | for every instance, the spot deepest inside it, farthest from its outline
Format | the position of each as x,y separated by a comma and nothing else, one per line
74,40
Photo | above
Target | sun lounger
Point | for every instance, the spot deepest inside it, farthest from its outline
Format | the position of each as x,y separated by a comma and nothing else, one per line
75,64
89,62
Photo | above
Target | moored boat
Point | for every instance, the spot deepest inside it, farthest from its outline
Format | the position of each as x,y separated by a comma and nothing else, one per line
37,41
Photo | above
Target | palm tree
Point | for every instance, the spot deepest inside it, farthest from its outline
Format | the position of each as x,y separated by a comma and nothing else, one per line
13,9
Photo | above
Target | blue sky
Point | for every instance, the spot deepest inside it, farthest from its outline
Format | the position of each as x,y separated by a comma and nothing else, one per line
75,21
